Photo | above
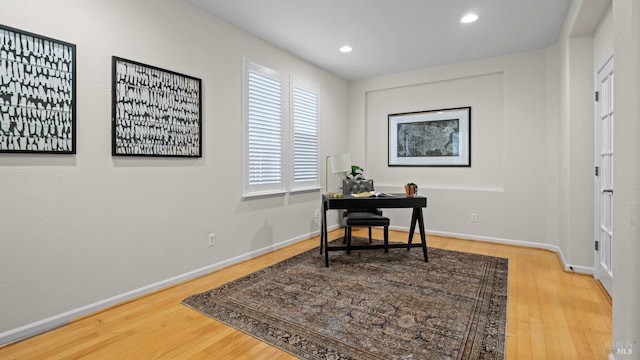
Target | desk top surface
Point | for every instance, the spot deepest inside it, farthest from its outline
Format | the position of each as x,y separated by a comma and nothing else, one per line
395,201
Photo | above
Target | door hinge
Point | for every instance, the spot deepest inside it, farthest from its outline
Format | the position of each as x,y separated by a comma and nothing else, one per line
597,97
597,243
597,170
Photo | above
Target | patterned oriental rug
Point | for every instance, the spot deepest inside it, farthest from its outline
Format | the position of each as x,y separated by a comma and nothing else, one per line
371,305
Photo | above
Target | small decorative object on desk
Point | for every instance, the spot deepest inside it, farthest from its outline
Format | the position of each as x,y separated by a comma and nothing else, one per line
357,173
411,189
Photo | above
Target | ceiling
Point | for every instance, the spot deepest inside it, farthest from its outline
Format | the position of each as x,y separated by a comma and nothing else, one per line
391,36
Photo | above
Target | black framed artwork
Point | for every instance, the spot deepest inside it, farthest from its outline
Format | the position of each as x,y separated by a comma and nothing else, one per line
430,138
156,112
37,93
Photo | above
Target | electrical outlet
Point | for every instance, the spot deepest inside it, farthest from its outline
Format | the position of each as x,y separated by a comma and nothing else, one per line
317,214
212,239
474,217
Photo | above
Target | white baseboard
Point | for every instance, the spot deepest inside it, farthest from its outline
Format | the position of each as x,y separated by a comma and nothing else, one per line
50,323
556,249
62,319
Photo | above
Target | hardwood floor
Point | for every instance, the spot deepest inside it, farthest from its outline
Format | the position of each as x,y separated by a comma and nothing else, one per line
552,314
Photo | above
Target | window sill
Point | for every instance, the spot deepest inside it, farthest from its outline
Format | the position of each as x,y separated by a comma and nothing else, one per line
260,194
305,189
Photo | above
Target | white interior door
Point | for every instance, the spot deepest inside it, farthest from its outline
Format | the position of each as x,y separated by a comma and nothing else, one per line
604,177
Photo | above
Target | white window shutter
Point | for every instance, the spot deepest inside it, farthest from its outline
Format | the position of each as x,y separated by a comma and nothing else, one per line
264,147
305,149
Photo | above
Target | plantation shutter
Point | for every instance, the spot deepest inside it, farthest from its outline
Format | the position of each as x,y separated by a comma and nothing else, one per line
264,131
304,139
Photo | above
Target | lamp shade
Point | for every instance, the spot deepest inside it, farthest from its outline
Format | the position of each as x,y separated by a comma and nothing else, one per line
339,163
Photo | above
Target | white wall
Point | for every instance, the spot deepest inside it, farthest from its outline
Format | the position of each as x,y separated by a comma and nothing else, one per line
603,41
80,229
576,136
626,226
511,185
79,232
531,180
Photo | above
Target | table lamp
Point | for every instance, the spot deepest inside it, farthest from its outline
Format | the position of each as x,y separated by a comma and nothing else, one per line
337,164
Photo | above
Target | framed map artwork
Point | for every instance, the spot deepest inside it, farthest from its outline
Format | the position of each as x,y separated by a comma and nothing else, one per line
430,138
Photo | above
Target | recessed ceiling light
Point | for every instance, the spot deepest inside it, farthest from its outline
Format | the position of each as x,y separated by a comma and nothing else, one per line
346,49
469,18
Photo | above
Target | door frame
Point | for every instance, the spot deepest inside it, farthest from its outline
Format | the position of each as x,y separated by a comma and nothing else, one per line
607,283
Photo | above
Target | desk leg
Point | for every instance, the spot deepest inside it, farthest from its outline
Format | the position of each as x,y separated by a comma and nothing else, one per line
326,252
423,236
324,237
323,228
412,228
417,217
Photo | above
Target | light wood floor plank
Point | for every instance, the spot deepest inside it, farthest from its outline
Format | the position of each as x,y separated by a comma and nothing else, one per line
552,314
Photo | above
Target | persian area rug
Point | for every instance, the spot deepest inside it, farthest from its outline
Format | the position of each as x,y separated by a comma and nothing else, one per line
371,305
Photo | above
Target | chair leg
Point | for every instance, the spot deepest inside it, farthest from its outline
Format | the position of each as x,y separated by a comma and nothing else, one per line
386,239
348,239
344,238
370,238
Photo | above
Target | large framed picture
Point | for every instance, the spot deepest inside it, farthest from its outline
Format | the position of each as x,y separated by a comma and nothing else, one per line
156,112
430,138
37,93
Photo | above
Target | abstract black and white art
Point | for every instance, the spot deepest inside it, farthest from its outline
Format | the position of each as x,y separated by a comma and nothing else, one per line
156,112
430,138
37,93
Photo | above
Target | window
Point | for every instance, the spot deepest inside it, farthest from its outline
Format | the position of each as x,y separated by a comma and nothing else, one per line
264,128
304,139
267,155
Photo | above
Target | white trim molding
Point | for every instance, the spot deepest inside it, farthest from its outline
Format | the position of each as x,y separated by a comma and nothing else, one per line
62,319
53,322
566,266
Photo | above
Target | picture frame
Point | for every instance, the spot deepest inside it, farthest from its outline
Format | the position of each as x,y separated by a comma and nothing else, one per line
37,93
155,112
438,138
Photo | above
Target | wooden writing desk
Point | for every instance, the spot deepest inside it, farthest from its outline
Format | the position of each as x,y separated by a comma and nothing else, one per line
395,201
